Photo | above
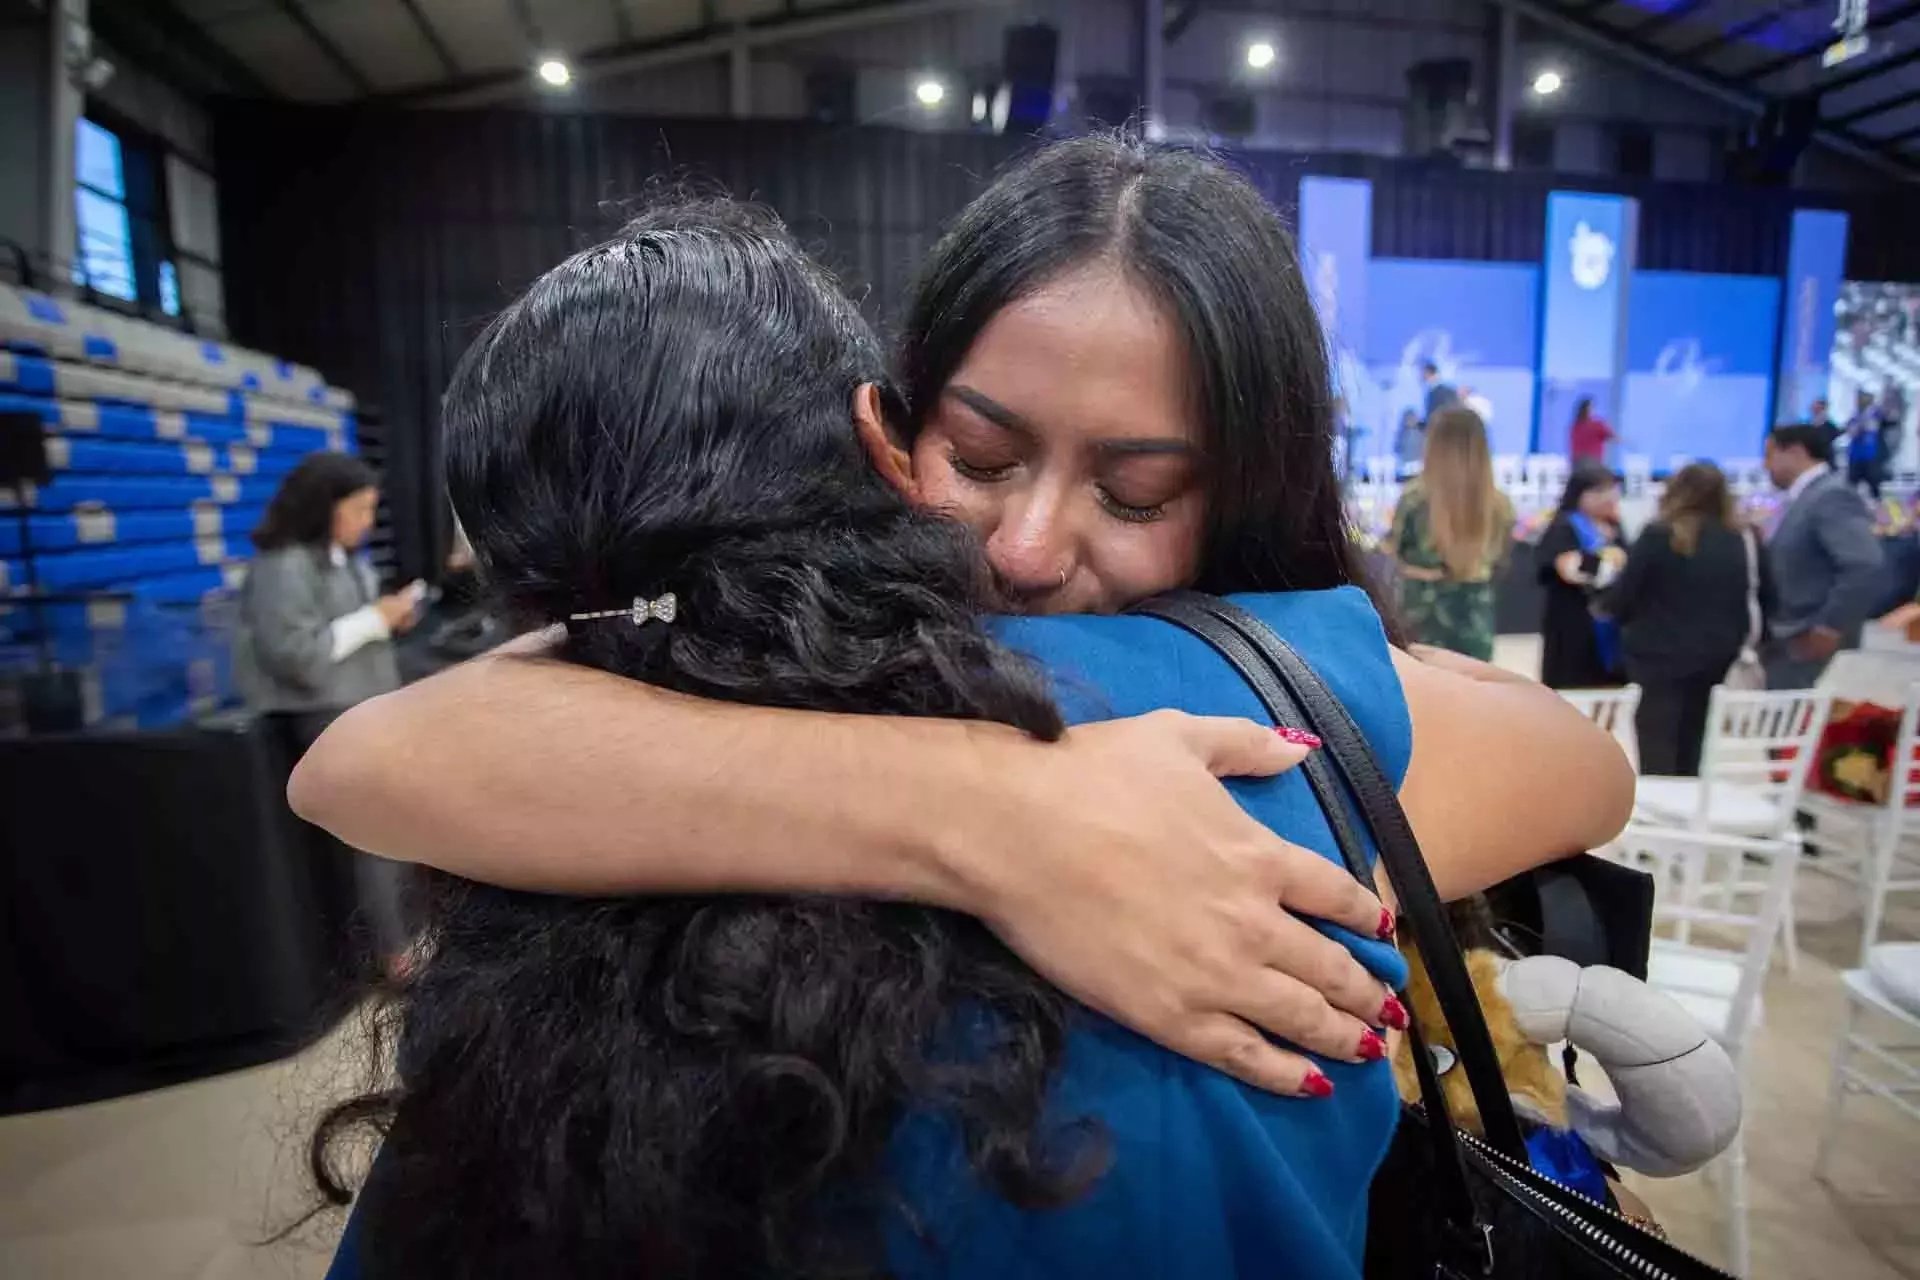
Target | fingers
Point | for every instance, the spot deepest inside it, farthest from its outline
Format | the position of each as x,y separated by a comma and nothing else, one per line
1310,885
1231,1046
1316,995
1233,748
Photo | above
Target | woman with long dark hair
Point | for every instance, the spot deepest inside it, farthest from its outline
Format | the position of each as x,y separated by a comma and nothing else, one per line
1113,375
1452,530
1694,593
1579,555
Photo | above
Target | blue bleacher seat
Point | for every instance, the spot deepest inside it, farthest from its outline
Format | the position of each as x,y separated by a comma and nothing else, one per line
165,449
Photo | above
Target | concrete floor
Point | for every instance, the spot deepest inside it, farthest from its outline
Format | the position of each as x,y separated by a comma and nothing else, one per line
184,1183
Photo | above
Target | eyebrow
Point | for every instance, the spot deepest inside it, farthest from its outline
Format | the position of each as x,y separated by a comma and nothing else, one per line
1008,420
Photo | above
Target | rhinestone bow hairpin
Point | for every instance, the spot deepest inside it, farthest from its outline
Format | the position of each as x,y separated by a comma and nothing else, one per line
641,612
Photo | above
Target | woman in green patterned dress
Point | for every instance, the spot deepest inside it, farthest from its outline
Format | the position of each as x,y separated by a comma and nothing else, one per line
1451,533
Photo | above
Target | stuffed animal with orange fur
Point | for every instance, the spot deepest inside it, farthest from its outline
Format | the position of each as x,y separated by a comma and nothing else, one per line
1679,1095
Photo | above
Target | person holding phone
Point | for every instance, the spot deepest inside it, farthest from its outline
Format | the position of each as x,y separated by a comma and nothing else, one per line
315,635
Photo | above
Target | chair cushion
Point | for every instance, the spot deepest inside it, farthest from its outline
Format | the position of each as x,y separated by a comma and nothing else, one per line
1734,810
1895,969
1700,981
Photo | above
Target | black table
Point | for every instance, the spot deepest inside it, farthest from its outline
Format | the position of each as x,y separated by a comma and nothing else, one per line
163,915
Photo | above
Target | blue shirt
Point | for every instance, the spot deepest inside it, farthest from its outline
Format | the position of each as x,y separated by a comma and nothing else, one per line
1208,1178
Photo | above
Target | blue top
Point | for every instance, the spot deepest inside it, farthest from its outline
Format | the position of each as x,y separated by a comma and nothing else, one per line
1208,1178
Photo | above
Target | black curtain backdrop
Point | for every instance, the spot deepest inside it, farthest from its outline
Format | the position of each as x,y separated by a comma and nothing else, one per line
374,245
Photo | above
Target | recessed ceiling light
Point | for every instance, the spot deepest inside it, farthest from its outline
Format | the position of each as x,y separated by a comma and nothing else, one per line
930,92
1260,55
555,72
1547,82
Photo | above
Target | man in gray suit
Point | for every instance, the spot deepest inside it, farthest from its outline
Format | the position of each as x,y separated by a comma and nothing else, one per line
1825,559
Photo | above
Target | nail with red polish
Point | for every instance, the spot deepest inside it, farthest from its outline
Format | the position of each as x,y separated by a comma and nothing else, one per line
1297,737
1373,1046
1316,1085
1385,931
1393,1013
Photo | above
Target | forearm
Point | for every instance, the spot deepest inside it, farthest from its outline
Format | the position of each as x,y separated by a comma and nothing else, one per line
541,775
1506,776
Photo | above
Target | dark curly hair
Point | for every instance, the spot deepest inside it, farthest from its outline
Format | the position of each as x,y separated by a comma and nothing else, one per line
301,513
705,1085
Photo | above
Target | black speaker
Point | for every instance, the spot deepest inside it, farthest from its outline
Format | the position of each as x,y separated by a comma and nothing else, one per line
1440,115
830,95
23,450
1229,115
1771,147
1028,59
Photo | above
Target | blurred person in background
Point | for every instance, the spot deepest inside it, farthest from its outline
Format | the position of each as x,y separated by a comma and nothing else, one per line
1451,533
315,634
1579,555
1439,394
1588,438
1693,595
1410,443
1866,463
1820,416
1892,413
1825,559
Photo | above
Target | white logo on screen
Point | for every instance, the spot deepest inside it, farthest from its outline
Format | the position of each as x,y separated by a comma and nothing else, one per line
1683,365
1592,255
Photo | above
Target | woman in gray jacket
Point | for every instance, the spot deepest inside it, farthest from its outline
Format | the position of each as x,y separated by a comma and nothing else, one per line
315,634
314,630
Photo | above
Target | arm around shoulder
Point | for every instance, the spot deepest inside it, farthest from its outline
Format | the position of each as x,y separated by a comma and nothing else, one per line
1505,776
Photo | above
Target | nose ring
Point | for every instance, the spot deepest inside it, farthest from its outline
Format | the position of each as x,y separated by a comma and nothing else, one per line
1063,575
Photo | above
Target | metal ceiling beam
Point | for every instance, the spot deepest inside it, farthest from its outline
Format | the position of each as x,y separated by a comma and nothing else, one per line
1741,30
156,29
448,63
1875,108
1872,70
622,23
709,43
1625,48
1775,66
328,49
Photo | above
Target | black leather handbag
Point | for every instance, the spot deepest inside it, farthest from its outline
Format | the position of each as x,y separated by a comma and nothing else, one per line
1444,1203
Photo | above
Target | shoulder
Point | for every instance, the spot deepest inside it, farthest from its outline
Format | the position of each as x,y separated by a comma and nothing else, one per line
285,564
1656,536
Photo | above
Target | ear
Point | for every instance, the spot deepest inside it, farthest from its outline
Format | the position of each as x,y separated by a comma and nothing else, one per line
889,457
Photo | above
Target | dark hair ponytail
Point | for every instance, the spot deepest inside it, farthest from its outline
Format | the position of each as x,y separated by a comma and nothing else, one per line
700,1085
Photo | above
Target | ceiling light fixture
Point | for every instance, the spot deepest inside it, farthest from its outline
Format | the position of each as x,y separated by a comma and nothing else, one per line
554,72
1547,83
930,92
1260,55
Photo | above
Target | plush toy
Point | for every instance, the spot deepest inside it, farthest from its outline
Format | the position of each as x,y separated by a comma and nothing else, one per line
1679,1094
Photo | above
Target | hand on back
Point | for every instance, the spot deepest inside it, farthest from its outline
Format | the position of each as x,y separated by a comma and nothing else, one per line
1131,879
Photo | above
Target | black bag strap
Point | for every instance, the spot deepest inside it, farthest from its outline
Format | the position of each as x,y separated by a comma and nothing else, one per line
1294,694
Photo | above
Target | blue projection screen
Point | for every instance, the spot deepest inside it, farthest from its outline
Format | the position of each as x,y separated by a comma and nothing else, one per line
1700,360
1475,320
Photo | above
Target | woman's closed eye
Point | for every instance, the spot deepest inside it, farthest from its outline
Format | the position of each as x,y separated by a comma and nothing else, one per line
1132,513
980,470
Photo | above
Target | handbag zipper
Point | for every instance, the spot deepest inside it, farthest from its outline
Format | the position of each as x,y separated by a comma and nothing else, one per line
1518,1175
